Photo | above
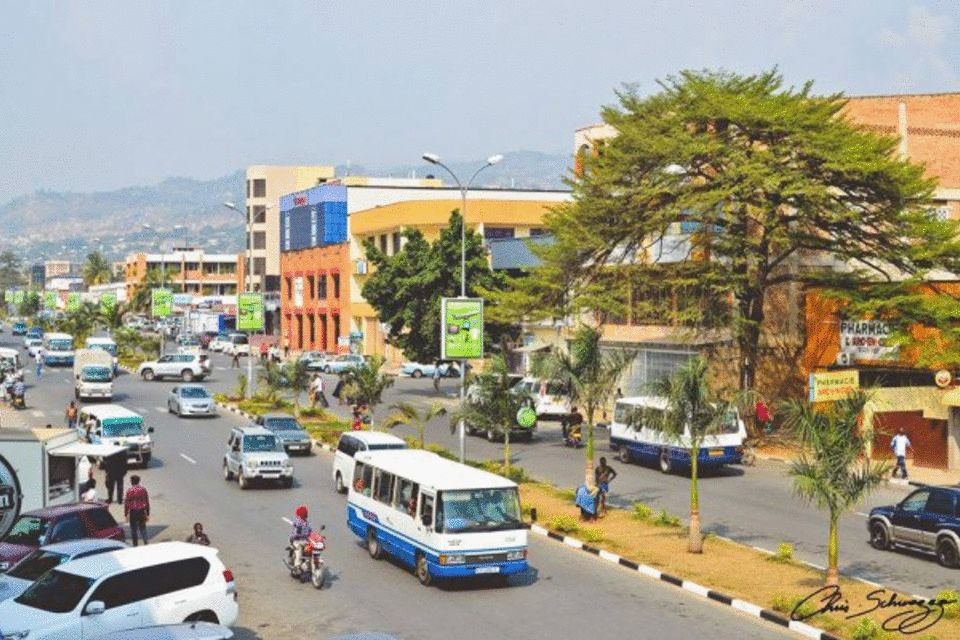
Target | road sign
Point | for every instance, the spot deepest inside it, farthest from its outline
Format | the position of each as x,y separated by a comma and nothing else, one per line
73,301
526,417
828,386
250,312
162,303
108,302
461,331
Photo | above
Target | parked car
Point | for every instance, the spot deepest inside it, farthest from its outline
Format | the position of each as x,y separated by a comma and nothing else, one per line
32,345
182,631
343,363
191,400
927,520
292,436
163,583
417,370
255,453
19,329
187,366
25,572
237,344
34,529
316,360
353,442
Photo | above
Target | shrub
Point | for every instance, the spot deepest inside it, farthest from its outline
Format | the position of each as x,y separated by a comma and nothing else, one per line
592,534
441,451
867,629
786,604
642,511
665,519
952,609
565,524
784,553
220,397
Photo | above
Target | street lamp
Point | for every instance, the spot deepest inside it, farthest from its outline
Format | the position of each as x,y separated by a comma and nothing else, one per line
433,158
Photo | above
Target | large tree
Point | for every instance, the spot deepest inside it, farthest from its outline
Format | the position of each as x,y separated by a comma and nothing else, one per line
96,269
405,288
11,270
737,184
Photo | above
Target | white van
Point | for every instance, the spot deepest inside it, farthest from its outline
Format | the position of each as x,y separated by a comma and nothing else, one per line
439,517
551,398
635,440
163,583
10,361
108,345
113,424
353,442
58,349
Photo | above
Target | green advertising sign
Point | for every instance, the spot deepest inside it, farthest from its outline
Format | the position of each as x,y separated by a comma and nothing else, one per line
162,303
108,302
8,296
73,301
250,312
18,297
461,335
49,299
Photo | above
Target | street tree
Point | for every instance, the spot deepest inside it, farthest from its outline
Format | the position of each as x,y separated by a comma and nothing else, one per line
405,289
273,384
718,188
833,471
297,376
366,383
590,374
406,414
11,270
142,292
692,413
96,269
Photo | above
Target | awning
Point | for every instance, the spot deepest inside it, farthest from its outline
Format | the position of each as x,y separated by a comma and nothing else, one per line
80,449
533,347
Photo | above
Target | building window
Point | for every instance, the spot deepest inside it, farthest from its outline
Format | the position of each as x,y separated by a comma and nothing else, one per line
260,188
260,240
310,281
536,232
289,288
259,266
248,191
396,242
336,286
336,331
259,214
491,233
192,266
322,287
383,243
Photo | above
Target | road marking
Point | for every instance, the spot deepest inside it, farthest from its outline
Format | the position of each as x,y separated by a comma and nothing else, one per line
287,520
160,409
815,566
142,409
761,549
870,582
188,458
37,414
861,513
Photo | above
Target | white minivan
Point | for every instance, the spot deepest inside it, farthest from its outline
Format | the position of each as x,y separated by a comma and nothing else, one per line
162,583
353,442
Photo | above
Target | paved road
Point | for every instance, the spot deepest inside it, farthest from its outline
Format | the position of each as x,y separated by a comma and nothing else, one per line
564,594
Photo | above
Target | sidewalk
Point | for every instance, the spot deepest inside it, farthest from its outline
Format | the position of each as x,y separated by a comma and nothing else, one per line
13,419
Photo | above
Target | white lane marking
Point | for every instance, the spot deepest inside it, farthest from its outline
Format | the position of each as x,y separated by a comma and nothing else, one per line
37,414
287,520
188,458
160,409
142,409
861,513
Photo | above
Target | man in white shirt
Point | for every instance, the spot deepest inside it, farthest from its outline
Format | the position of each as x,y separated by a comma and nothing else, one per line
900,444
316,392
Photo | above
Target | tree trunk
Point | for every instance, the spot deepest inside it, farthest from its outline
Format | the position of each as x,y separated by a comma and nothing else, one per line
748,338
695,543
423,435
833,552
506,452
588,465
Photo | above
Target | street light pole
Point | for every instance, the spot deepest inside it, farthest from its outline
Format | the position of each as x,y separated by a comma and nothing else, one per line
248,285
433,158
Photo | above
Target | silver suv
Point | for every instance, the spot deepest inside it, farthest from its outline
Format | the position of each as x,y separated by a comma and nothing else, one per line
186,366
255,453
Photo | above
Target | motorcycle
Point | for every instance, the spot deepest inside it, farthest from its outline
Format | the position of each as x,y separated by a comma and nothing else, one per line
311,566
574,438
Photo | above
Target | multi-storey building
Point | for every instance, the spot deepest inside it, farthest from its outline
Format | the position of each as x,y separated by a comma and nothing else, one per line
57,268
189,270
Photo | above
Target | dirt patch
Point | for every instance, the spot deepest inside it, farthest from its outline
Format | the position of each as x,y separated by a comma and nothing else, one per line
731,568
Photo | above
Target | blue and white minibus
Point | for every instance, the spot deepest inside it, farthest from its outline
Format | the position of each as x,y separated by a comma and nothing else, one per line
58,349
633,439
437,516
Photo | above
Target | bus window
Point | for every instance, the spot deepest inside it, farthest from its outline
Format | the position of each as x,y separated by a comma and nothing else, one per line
426,510
407,496
362,478
383,491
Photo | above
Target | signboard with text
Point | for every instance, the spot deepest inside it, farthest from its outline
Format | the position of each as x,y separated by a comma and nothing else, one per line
461,330
866,339
829,386
73,301
161,303
250,312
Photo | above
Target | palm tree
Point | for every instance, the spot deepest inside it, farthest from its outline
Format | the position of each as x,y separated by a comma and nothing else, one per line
96,269
273,381
297,376
692,413
365,384
142,292
407,414
80,323
832,471
591,377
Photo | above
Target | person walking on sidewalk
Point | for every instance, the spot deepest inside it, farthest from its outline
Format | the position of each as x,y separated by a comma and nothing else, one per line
436,378
39,360
136,508
116,468
71,415
900,444
264,349
316,392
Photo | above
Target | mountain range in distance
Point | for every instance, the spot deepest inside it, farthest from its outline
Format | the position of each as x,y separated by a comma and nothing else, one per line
47,225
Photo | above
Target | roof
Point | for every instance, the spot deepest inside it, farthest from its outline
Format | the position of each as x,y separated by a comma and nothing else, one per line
63,509
58,335
103,411
515,253
654,402
135,558
254,430
374,437
73,547
429,469
100,340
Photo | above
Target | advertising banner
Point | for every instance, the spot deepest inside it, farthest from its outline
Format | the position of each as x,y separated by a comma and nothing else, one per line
49,299
8,296
461,331
162,303
866,339
18,297
250,312
73,301
828,386
108,302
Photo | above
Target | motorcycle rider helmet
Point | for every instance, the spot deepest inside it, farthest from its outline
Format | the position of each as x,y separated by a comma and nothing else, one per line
302,512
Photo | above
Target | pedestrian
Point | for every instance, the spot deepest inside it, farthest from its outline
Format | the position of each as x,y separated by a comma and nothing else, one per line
198,536
235,364
116,470
286,347
900,444
357,423
619,394
136,508
338,391
71,415
89,491
764,419
316,392
603,475
436,378
39,360
264,348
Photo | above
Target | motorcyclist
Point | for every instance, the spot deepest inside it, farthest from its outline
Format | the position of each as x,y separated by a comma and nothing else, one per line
300,534
18,393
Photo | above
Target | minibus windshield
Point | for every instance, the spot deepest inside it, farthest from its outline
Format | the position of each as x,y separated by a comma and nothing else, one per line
473,510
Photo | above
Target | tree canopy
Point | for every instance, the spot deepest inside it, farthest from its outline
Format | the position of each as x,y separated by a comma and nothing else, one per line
720,187
405,289
11,270
96,269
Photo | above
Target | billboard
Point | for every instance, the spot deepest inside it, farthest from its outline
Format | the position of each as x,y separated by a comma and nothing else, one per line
828,386
108,302
316,217
161,303
461,328
866,339
250,312
73,301
49,299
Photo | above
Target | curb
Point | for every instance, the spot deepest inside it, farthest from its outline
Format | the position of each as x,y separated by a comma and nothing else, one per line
251,417
749,608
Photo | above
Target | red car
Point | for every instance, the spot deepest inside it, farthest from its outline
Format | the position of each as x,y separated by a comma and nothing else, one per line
34,529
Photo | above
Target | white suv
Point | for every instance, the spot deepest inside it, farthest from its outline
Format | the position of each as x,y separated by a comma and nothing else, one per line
352,442
255,453
161,583
237,344
187,366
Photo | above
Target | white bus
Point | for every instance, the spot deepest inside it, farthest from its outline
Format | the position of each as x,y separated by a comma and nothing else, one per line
58,349
439,517
635,440
108,345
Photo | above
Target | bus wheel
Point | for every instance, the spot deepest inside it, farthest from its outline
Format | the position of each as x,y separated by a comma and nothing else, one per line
623,455
373,545
665,465
423,570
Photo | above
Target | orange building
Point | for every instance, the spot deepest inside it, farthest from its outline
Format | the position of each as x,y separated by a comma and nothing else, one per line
189,271
315,298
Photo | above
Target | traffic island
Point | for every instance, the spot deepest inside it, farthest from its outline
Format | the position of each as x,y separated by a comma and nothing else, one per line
774,588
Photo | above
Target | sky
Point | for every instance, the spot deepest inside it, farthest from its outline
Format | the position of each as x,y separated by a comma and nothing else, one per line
101,95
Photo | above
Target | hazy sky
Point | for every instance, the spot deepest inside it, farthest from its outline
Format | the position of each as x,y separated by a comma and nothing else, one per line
100,95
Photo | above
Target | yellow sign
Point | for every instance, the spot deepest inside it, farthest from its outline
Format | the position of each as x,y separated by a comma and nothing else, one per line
828,386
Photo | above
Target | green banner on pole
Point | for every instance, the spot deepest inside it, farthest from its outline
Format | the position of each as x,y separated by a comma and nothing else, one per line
19,297
162,304
73,301
250,312
461,333
49,299
108,302
8,296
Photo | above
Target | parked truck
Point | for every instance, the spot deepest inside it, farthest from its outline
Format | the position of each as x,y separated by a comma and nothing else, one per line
93,374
